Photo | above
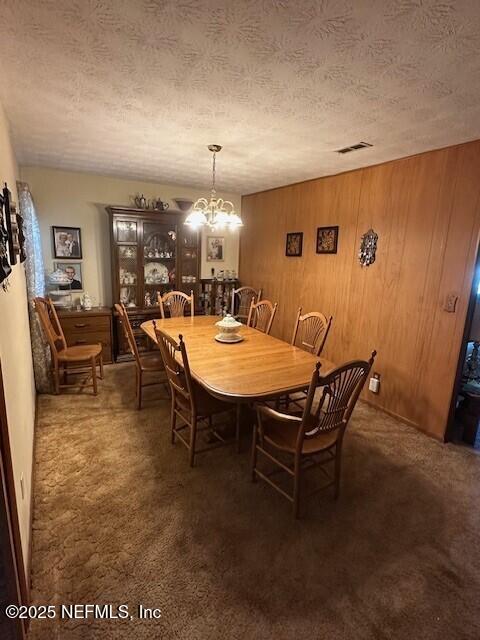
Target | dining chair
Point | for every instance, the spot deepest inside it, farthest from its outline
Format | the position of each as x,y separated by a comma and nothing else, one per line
176,302
241,301
191,403
313,439
75,359
310,333
146,365
261,315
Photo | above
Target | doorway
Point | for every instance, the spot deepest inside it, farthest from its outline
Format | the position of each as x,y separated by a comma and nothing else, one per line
13,586
464,417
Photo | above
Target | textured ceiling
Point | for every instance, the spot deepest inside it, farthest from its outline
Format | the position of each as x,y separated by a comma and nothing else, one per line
139,88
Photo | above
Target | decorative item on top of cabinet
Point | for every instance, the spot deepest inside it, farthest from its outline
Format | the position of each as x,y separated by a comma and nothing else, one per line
156,204
151,254
89,327
140,201
368,248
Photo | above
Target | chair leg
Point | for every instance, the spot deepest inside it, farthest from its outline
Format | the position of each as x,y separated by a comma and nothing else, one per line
139,388
56,378
297,478
338,468
173,419
94,376
193,438
101,366
65,373
253,464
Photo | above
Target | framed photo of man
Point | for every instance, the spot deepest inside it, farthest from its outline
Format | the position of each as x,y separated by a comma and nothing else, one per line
67,242
73,271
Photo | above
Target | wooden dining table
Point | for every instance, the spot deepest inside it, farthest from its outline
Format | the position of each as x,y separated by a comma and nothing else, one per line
257,368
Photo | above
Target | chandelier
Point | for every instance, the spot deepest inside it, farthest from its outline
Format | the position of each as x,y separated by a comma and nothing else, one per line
215,213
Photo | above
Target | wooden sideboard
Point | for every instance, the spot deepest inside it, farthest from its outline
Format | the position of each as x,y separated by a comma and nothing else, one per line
89,327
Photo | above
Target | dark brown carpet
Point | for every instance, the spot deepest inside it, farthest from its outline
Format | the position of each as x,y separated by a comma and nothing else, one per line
120,518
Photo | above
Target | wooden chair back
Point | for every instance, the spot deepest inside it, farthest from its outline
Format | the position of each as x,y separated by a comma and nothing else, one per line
341,389
128,331
242,299
178,374
176,301
311,331
51,326
261,315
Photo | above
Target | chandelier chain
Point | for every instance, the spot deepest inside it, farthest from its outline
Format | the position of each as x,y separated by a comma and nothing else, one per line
214,191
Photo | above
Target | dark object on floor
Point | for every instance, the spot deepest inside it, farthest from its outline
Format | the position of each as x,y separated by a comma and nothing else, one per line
468,414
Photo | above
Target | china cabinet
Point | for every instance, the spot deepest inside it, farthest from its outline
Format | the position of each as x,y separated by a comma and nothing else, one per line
216,296
152,252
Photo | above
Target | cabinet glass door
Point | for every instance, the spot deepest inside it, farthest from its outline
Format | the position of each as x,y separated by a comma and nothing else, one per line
127,262
159,260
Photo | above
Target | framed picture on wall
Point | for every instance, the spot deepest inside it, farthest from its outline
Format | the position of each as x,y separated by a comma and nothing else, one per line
215,249
67,242
327,239
294,244
73,271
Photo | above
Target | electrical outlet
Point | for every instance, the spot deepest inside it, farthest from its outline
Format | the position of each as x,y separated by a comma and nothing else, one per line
374,384
22,486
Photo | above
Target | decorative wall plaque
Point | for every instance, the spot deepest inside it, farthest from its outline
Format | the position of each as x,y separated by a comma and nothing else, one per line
327,239
5,268
293,248
368,248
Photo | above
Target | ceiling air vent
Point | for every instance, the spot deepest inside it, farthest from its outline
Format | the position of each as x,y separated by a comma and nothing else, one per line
355,147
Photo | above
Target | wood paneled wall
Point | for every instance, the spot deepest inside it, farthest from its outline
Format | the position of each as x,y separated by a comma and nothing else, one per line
426,211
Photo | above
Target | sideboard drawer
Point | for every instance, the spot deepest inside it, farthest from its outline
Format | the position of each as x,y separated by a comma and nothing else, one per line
89,327
92,337
86,325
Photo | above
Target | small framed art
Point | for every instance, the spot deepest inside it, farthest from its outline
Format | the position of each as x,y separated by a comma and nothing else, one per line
215,249
293,248
327,239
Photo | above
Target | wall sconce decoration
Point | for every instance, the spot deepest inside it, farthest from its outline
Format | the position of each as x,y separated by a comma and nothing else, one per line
368,248
5,268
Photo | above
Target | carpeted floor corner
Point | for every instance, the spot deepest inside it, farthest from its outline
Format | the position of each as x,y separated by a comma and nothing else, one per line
119,517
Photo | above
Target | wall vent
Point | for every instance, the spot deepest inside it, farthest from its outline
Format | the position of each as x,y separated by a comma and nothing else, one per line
354,147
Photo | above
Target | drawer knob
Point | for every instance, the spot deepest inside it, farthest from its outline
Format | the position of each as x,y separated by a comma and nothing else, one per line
80,325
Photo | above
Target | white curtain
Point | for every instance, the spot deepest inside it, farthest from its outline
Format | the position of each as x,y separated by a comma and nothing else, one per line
35,274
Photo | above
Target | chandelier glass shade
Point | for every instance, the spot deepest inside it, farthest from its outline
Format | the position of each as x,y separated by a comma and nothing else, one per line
214,213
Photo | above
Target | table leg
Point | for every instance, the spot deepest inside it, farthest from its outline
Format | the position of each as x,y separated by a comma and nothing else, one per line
237,425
